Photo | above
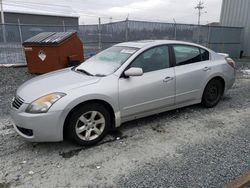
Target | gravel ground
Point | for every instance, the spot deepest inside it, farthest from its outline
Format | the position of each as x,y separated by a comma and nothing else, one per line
188,147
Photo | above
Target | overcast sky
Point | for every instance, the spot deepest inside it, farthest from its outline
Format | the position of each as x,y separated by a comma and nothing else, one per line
182,11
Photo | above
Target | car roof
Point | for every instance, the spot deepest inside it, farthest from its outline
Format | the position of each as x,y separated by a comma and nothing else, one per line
151,43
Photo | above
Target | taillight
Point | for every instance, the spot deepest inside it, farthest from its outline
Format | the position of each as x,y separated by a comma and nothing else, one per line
231,62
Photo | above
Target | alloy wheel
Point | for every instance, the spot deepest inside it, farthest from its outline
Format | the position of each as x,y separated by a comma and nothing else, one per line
90,125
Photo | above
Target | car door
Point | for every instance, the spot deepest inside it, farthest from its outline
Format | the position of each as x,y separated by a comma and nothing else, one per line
154,89
192,68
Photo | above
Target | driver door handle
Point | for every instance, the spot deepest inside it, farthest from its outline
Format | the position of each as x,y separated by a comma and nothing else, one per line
167,79
207,68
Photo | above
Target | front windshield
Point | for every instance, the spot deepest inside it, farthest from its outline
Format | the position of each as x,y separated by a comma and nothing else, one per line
107,61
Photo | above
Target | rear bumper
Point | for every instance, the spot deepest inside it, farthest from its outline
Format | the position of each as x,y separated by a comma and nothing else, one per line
38,127
230,83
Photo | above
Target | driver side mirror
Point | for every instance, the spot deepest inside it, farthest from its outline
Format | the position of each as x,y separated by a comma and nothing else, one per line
133,71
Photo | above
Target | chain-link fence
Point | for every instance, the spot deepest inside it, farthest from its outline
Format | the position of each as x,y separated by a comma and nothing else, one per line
98,37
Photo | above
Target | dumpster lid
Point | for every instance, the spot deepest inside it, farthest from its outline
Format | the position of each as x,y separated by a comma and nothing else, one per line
49,37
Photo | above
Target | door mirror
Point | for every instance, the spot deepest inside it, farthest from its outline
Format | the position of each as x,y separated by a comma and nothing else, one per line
133,71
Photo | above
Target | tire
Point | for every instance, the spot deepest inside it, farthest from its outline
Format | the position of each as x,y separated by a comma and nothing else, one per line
212,93
88,124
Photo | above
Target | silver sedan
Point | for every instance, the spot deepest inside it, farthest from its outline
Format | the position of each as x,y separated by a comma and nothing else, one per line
127,81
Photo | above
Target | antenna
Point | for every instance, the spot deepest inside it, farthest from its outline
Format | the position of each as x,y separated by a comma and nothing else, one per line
199,6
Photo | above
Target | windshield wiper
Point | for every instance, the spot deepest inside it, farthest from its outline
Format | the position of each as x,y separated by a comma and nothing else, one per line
84,71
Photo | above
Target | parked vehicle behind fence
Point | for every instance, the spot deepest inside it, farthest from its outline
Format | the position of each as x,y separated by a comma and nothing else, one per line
122,83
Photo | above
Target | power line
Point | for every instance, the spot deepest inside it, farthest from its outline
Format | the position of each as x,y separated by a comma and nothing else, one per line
23,5
36,3
84,13
57,11
32,8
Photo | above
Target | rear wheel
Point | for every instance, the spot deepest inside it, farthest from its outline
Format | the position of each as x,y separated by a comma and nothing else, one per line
88,124
212,93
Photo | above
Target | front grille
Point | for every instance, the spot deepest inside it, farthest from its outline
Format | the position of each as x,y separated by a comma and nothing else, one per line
17,102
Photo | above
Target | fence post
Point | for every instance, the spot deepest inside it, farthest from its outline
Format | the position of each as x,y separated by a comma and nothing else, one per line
199,34
99,34
63,26
127,30
4,51
208,36
20,30
175,31
3,22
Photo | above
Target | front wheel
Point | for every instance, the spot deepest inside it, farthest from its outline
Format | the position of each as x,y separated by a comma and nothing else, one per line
212,93
88,124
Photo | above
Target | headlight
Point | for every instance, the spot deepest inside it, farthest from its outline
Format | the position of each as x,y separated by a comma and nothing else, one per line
43,104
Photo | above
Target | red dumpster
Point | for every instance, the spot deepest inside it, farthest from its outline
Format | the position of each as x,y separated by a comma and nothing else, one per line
49,51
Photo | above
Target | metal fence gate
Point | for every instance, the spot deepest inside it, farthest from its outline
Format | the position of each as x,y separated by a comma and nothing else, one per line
98,37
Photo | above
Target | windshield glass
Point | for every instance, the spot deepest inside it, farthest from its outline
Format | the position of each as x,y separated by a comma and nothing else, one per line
107,61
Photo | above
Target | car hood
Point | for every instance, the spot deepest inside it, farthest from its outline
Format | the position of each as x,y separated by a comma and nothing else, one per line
58,81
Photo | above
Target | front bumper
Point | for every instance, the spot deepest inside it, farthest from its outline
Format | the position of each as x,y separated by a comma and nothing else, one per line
45,127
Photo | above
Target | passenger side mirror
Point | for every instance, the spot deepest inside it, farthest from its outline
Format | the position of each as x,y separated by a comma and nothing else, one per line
133,71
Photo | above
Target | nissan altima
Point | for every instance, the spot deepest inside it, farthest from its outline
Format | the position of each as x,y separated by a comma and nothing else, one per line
124,82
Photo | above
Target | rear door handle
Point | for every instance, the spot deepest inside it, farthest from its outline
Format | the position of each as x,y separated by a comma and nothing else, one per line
167,79
207,68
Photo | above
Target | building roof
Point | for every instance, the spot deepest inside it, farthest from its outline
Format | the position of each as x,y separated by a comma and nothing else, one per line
41,10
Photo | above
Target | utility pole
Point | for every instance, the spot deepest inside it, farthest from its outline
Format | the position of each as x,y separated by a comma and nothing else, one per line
2,21
199,6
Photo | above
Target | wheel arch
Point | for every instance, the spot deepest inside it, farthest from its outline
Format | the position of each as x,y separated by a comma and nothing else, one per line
107,105
220,78
217,77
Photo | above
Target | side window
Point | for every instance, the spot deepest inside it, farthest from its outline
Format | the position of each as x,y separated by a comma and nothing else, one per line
186,54
204,55
153,59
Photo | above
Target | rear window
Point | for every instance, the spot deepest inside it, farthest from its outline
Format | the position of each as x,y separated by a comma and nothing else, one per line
185,54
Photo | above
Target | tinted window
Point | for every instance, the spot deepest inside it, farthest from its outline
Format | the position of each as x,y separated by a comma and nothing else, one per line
204,55
153,59
186,55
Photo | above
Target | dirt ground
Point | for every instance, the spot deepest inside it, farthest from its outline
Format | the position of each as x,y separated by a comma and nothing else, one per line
188,147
